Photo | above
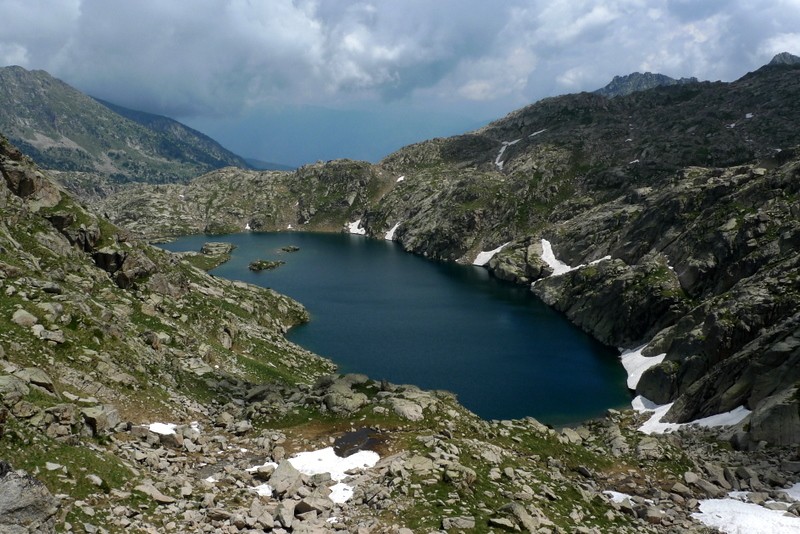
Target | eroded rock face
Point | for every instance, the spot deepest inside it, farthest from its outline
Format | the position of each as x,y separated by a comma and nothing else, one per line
25,503
776,419
24,180
617,303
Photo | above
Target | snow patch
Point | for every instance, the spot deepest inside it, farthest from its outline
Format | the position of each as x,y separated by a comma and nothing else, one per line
165,429
655,426
247,226
264,490
326,461
400,178
634,161
503,148
484,257
288,226
628,140
257,467
549,257
616,496
355,228
635,364
341,493
534,134
748,116
604,258
390,234
733,516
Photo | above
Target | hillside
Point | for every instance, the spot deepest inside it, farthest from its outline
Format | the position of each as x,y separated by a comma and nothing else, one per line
691,190
149,396
64,129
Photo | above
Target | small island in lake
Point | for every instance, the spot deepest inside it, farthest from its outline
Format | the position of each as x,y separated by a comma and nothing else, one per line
290,248
264,265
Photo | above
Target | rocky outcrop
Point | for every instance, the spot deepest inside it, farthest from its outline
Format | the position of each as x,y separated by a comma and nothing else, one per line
618,304
25,503
24,180
637,81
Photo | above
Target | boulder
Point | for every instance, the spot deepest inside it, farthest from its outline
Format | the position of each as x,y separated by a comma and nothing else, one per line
314,502
26,182
659,383
24,318
26,505
13,388
458,523
154,493
56,336
341,399
101,418
419,465
134,267
285,513
285,480
406,409
109,259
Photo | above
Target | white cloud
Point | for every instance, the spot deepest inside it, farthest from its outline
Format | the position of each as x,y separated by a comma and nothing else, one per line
496,77
13,54
784,42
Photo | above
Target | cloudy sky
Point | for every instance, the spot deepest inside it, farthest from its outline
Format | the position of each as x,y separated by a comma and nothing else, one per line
294,81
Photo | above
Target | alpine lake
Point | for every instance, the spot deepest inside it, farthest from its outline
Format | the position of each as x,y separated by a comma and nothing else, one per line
378,310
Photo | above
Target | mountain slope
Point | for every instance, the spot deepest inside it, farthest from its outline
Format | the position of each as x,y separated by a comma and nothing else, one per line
150,396
690,189
185,140
64,129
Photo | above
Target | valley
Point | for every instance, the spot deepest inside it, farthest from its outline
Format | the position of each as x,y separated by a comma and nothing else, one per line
140,393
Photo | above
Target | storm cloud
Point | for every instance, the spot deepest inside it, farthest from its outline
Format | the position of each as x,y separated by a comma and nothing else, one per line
215,58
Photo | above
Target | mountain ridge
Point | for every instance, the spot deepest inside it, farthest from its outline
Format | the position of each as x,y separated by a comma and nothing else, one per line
638,81
589,174
66,130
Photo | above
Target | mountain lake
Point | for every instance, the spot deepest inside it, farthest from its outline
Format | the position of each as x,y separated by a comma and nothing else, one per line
378,310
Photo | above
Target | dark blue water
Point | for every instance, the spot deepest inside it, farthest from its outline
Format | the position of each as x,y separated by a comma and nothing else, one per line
378,310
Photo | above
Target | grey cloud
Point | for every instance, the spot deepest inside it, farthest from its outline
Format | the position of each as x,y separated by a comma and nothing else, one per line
218,58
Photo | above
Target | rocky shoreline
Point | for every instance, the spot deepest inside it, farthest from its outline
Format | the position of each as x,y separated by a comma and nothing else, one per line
700,231
499,475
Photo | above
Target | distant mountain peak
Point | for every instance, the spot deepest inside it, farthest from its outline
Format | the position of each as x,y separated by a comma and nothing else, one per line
637,81
785,58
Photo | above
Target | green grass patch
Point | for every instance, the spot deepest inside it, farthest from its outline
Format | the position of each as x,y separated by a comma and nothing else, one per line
26,450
